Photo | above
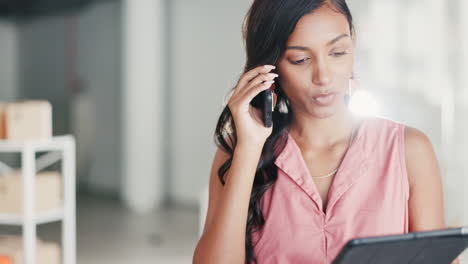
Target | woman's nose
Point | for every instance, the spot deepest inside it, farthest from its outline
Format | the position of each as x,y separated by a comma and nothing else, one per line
322,76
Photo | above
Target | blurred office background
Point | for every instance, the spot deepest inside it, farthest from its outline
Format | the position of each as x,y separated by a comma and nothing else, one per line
140,83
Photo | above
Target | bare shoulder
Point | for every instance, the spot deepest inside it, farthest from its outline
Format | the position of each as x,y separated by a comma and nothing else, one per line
415,138
420,156
426,209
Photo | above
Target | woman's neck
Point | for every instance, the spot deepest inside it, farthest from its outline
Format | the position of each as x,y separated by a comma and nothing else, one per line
318,133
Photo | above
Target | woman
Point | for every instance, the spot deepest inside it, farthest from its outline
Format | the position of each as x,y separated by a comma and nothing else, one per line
298,191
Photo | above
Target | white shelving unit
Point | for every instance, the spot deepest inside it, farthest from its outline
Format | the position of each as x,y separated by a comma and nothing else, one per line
57,148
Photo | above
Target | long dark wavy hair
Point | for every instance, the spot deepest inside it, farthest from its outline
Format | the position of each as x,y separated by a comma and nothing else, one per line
266,29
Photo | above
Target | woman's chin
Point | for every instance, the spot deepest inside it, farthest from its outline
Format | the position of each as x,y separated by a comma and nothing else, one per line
323,114
328,111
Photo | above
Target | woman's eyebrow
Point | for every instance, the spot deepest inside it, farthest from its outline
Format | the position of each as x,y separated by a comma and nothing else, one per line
331,42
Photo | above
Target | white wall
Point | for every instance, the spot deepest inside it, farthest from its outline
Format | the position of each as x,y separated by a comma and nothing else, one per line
462,153
99,69
93,115
42,67
142,104
206,59
8,61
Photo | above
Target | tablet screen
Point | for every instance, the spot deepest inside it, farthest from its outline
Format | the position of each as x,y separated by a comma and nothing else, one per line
434,247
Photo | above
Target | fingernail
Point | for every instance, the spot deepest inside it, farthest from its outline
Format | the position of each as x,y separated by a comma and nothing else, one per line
272,75
269,82
270,67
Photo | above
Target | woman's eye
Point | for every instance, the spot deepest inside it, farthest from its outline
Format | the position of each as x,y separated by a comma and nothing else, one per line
338,54
298,62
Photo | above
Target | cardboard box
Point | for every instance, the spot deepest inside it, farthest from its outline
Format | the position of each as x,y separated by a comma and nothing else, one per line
2,121
5,260
48,192
28,120
46,252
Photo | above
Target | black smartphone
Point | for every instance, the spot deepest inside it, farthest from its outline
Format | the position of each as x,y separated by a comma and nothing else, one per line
264,102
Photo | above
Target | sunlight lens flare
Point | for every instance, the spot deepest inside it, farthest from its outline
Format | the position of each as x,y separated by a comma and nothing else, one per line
363,103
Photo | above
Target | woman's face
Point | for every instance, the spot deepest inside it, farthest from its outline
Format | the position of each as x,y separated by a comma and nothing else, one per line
317,65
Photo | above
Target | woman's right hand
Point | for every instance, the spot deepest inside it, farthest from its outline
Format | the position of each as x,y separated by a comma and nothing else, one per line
248,119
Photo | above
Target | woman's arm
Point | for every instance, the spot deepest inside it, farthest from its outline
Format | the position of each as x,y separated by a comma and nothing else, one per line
223,239
426,205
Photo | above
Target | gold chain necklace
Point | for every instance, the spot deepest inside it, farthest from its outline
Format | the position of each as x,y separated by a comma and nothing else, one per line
335,170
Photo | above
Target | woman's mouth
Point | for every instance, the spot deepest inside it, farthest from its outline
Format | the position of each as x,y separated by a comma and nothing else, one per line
324,99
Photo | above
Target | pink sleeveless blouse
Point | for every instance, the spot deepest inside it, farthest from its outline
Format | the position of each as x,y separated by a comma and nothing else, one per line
368,197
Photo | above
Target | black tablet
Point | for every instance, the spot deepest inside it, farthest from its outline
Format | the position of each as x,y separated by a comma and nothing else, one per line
434,247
